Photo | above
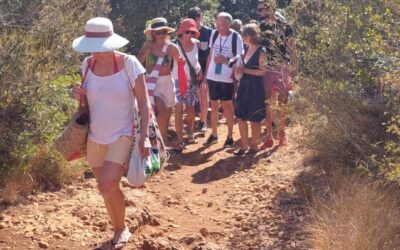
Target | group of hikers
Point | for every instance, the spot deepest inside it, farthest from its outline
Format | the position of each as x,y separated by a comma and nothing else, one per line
211,66
239,71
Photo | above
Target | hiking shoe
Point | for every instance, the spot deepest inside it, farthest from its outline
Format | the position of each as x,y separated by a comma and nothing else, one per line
211,140
202,127
268,144
229,143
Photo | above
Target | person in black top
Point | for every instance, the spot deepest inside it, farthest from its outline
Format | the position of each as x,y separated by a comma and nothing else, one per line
204,38
250,100
277,37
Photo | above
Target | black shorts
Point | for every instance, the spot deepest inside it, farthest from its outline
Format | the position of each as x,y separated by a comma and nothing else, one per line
220,90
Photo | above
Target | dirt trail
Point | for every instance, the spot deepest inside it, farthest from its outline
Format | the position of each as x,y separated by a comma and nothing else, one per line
207,198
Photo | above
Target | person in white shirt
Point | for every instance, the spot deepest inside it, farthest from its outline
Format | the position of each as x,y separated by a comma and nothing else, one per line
188,47
224,44
107,75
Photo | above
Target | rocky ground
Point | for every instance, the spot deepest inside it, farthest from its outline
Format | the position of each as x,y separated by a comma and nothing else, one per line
206,198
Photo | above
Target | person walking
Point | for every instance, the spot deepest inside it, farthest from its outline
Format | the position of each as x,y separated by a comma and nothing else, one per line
188,48
277,37
250,100
158,45
107,74
195,13
224,44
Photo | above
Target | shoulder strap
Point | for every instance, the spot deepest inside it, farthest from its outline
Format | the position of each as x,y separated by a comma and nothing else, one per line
151,79
214,37
184,54
234,43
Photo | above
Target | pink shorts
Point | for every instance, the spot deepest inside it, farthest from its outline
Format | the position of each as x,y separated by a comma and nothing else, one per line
118,152
277,78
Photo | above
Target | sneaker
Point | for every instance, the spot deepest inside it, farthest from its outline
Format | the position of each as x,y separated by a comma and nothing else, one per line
211,140
268,144
229,143
203,128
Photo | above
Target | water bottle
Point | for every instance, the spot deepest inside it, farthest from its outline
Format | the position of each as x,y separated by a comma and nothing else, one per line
218,68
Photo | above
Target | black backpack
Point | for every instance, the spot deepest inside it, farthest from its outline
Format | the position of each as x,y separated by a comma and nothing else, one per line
234,41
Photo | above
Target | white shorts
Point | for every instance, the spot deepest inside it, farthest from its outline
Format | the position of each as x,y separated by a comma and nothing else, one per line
165,89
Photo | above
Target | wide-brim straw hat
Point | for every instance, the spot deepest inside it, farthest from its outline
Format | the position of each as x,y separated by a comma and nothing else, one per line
158,23
99,37
188,25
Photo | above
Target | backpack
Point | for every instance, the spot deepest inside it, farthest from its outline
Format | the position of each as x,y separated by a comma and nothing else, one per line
234,41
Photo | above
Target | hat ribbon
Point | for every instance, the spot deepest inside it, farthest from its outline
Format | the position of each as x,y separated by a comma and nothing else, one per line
98,34
157,25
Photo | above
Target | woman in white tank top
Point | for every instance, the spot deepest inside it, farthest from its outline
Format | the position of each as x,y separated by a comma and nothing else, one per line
107,75
187,44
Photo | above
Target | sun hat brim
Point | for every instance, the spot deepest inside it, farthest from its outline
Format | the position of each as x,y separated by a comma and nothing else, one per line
181,31
149,30
92,44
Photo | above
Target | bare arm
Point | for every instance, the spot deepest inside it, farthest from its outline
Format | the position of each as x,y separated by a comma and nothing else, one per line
207,64
173,52
142,97
144,52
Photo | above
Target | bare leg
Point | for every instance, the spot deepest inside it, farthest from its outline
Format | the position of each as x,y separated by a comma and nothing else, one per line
109,180
163,115
228,111
214,117
255,134
97,173
268,121
179,121
191,116
244,136
203,91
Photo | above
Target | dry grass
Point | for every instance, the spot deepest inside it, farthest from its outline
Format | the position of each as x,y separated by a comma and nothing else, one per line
359,214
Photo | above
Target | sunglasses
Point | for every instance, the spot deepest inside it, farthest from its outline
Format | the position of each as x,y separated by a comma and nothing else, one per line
261,9
188,32
160,32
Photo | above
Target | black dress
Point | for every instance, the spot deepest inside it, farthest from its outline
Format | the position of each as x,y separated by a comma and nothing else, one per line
250,100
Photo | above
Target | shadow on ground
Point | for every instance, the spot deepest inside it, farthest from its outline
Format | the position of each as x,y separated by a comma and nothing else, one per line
224,168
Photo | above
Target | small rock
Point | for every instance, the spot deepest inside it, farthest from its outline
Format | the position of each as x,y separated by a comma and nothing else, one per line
204,231
3,225
204,190
43,244
29,235
280,234
209,204
57,235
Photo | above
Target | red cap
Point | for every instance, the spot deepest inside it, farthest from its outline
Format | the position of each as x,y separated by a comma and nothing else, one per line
188,25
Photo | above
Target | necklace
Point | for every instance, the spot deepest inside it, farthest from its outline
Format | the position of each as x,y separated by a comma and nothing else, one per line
221,45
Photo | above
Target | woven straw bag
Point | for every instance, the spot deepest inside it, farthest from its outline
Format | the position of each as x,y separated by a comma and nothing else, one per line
71,143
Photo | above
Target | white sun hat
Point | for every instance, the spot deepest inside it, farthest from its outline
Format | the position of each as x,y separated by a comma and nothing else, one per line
99,37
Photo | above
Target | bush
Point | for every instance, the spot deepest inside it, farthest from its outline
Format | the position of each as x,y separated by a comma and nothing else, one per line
359,214
37,67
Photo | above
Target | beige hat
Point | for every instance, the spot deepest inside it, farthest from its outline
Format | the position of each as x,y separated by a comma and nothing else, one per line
99,37
158,23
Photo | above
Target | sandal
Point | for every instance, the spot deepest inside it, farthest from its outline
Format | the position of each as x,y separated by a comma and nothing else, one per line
190,139
179,148
252,151
240,152
122,239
